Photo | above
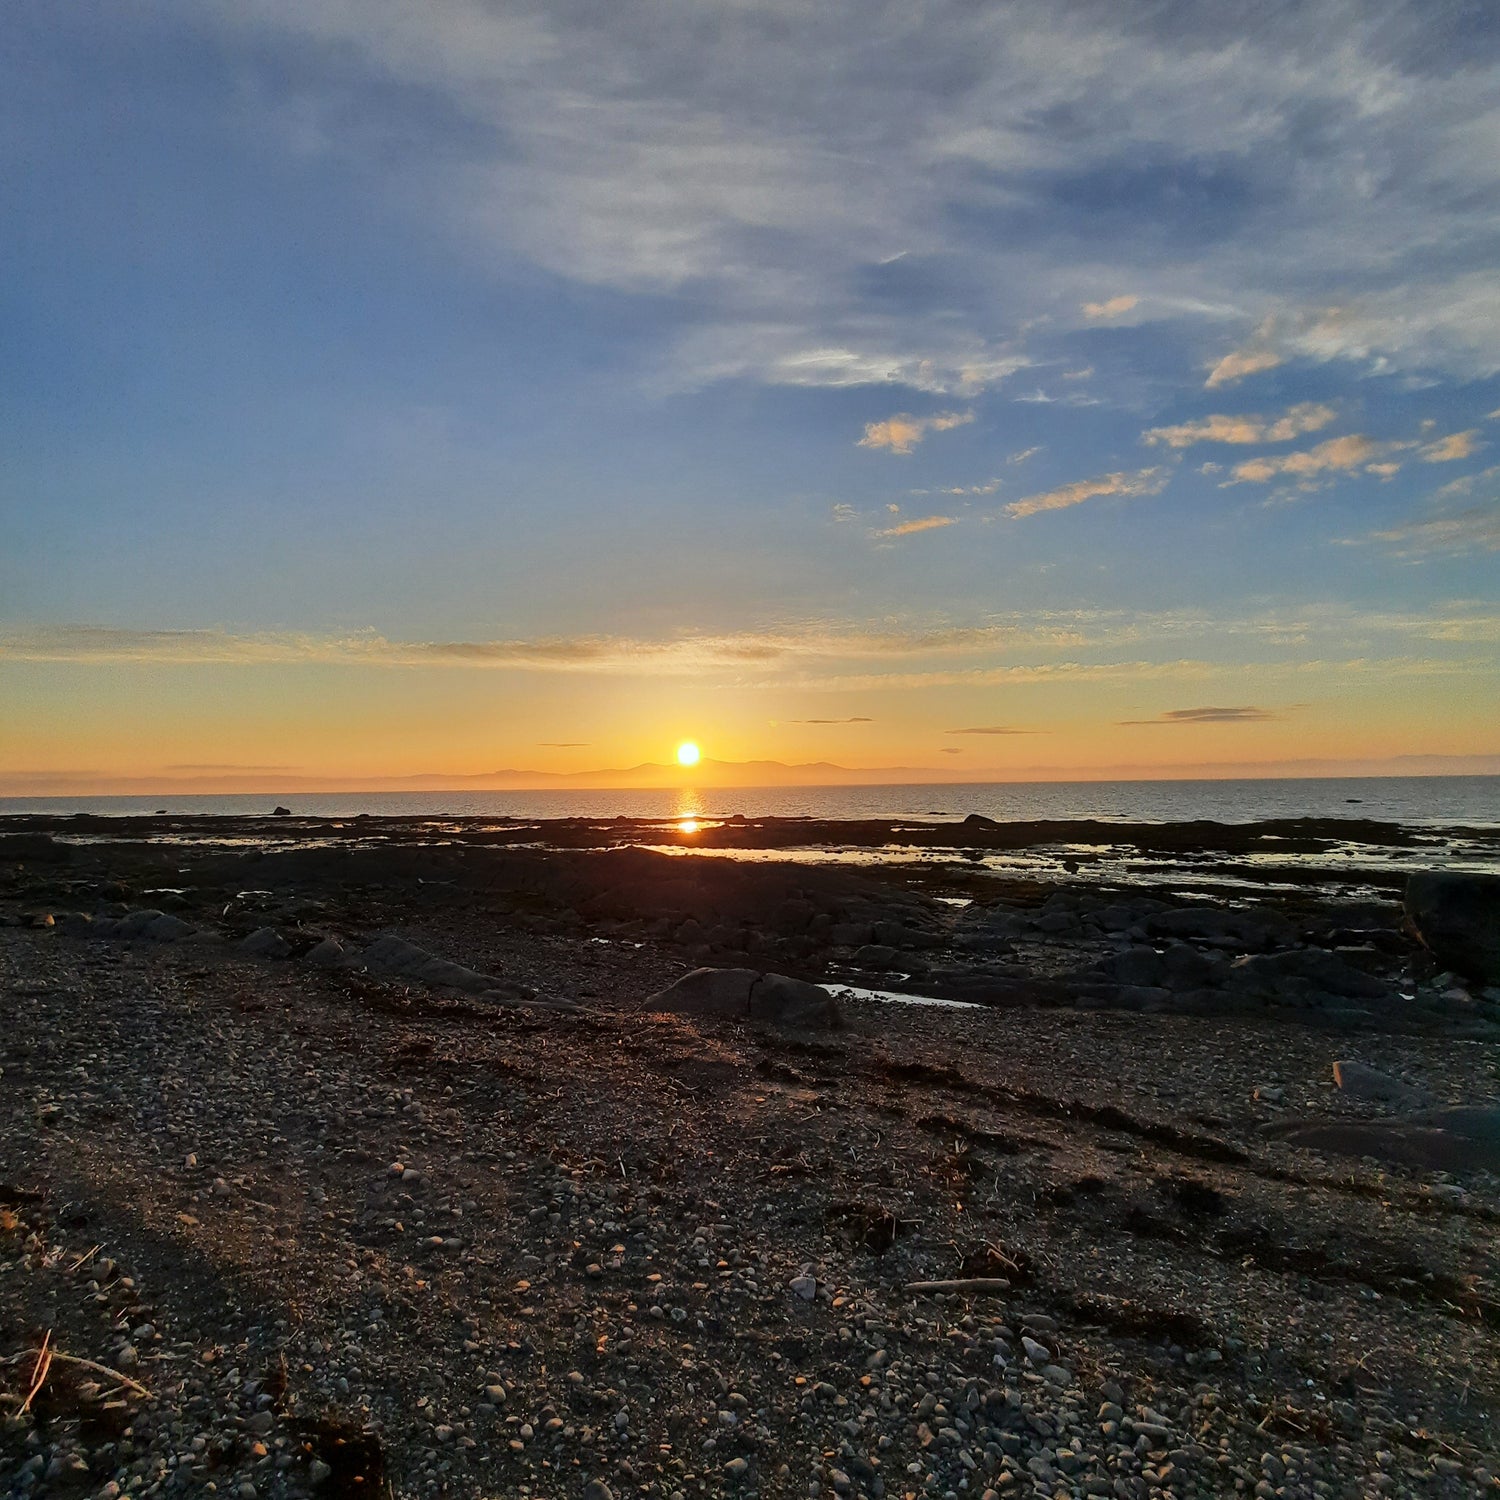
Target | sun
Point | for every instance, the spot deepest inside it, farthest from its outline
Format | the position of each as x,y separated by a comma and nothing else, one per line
688,754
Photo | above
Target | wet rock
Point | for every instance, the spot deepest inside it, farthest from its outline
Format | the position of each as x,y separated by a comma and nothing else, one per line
34,848
389,954
1240,930
1186,968
1430,1142
1136,966
1457,918
783,1001
708,992
328,954
748,995
1291,973
137,923
266,942
1359,1081
169,929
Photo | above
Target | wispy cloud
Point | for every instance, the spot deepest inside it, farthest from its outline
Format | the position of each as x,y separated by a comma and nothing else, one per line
1141,482
573,139
564,744
1474,529
1115,307
989,487
1034,647
86,644
1308,416
902,432
1246,715
1337,455
1021,455
992,729
855,719
921,523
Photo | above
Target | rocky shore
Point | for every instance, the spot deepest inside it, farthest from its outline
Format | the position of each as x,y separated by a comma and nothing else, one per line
363,1161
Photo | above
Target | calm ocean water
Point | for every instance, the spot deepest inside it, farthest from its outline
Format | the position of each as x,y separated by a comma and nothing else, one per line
1417,800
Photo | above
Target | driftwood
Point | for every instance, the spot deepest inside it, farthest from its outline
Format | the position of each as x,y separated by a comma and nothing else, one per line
977,1284
49,1354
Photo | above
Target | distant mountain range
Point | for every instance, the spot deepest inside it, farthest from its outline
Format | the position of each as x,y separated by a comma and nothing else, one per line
648,775
230,780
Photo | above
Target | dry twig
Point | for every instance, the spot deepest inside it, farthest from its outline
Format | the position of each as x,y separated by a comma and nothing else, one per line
39,1370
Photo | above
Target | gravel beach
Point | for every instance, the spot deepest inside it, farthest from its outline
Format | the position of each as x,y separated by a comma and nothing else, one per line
284,1220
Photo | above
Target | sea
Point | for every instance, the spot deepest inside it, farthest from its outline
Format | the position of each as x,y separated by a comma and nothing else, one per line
1455,820
1418,801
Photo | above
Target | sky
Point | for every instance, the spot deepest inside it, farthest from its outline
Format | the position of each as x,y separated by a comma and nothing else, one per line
987,391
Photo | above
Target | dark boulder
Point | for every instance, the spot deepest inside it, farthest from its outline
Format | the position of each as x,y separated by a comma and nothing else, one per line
1457,918
749,995
34,849
1240,930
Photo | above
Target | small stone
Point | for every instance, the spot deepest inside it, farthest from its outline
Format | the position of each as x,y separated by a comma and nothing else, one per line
736,1468
318,1471
805,1287
1038,1354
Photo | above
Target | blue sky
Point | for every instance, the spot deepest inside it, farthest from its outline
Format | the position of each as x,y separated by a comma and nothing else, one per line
607,373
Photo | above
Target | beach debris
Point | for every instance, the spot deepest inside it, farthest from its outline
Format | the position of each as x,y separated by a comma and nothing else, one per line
971,1285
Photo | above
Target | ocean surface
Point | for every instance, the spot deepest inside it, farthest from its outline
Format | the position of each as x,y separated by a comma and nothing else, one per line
1422,801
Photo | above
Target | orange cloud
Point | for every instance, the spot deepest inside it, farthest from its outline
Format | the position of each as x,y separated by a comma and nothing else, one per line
1456,445
902,432
924,523
1142,482
1241,363
1308,416
1341,454
1111,309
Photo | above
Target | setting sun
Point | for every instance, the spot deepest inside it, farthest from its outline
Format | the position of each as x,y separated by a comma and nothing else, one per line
688,754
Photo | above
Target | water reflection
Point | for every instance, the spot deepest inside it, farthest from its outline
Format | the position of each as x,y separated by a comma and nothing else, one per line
689,811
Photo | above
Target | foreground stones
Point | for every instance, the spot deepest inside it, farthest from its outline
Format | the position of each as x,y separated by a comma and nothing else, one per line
516,1257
